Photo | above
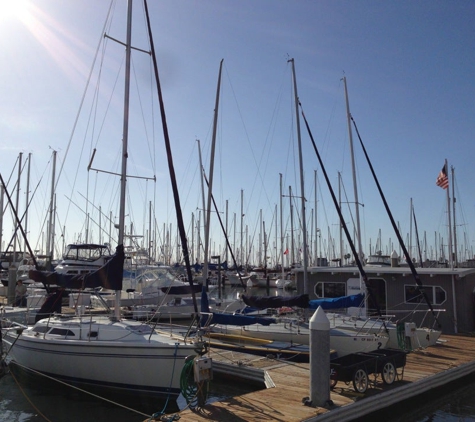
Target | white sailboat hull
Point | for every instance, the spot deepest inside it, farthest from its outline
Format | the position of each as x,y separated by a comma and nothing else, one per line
410,338
137,363
342,341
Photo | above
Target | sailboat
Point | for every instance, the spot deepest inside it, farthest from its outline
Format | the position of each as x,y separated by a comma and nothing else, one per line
292,330
397,333
102,351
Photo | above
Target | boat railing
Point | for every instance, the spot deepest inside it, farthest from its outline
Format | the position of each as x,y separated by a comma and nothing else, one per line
426,312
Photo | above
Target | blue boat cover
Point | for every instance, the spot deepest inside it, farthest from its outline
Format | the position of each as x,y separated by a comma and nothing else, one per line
230,319
337,302
263,302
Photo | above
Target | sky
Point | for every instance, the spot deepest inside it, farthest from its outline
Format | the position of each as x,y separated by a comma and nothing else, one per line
409,68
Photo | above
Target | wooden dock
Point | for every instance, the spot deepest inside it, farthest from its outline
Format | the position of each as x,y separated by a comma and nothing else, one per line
425,369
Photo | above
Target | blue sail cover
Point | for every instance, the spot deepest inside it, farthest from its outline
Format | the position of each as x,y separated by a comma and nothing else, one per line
230,319
263,302
109,276
338,302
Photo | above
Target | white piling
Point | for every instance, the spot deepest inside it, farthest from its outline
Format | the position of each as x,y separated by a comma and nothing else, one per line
319,359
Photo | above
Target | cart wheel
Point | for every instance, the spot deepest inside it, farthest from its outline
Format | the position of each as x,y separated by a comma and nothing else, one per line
360,381
332,383
388,373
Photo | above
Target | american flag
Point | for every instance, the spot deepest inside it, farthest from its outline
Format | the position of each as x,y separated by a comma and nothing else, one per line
442,179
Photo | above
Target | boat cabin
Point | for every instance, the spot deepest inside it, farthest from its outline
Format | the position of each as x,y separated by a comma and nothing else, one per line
451,293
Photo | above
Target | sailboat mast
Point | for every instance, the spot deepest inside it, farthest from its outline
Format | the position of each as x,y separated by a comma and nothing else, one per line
353,166
302,189
27,198
281,227
316,223
211,172
125,127
125,136
50,231
292,246
341,225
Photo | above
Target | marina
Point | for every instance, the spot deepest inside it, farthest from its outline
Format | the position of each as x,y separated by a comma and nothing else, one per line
299,319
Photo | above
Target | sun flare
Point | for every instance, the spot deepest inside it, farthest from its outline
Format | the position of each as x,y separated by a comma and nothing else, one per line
13,9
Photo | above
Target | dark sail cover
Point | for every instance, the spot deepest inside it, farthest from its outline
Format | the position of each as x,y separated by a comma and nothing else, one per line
240,320
263,302
338,302
109,276
182,290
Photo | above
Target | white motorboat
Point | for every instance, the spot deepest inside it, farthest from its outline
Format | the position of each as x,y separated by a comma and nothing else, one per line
82,258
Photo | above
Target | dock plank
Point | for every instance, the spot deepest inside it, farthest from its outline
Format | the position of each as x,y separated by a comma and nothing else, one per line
284,401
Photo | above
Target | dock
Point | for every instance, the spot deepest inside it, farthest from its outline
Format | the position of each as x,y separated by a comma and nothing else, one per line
451,359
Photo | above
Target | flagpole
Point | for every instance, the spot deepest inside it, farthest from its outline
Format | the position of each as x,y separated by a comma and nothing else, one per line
451,260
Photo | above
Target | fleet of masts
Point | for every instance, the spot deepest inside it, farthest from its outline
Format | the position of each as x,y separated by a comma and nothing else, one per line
271,244
275,244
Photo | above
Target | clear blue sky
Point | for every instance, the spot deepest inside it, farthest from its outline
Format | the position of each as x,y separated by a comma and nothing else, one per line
410,69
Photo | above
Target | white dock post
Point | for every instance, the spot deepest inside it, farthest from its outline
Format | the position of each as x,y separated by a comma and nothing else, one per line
319,359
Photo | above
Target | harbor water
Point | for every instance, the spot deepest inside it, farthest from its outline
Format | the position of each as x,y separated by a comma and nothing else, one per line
30,399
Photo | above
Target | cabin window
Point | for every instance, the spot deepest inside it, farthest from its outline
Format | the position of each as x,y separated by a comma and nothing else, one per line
436,294
41,329
440,296
61,332
412,295
93,334
330,289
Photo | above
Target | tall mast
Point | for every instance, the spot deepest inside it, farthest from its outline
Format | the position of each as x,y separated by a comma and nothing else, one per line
242,218
125,127
276,237
50,231
27,198
125,137
316,222
302,187
281,227
353,166
341,225
211,172
15,254
202,181
292,247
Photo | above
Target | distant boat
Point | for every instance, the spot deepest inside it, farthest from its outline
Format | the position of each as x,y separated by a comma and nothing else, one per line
379,260
82,258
